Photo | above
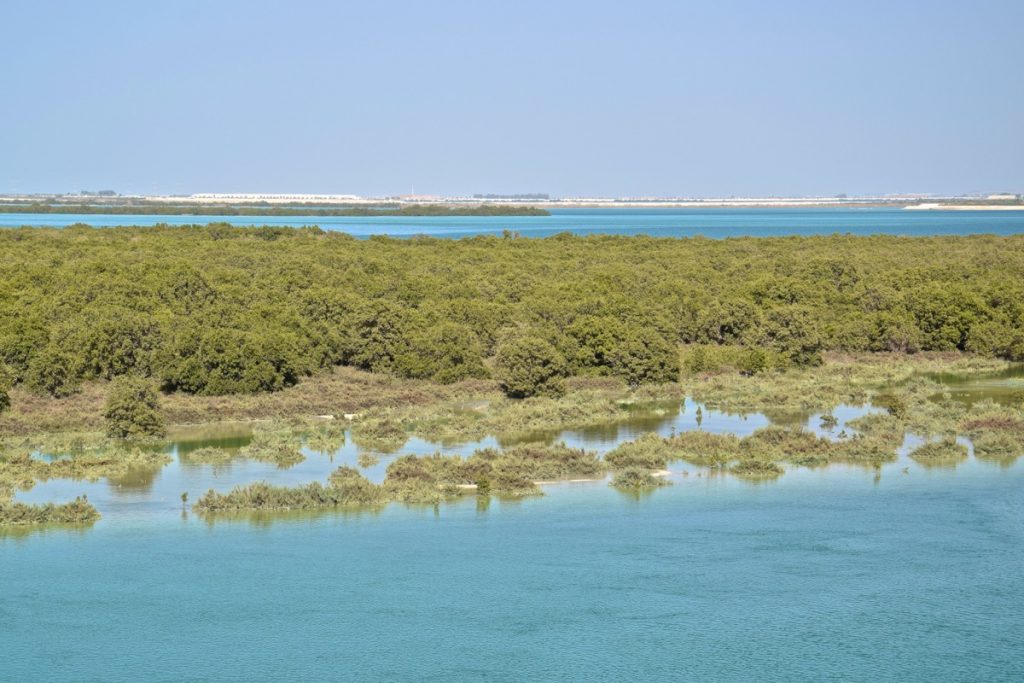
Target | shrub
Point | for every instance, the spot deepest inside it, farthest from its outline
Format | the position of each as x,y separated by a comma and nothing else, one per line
996,339
895,332
53,372
648,452
894,405
5,383
276,443
754,361
226,361
78,511
132,409
793,331
637,478
994,445
756,469
530,366
20,339
596,339
353,488
696,360
446,354
263,496
939,452
645,357
703,449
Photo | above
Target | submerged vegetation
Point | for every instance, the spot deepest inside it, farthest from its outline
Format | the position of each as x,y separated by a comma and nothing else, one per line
102,459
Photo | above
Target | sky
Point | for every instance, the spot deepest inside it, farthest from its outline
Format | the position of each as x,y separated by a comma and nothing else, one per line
639,98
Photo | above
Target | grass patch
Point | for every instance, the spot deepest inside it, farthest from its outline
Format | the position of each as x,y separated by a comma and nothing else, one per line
77,512
428,480
757,469
649,452
944,452
705,449
347,488
633,478
367,460
276,443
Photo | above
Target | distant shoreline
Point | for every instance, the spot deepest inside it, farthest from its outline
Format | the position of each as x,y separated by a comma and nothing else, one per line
964,207
384,211
467,209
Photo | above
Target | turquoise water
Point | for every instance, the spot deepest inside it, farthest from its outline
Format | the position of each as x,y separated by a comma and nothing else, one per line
909,573
716,223
821,575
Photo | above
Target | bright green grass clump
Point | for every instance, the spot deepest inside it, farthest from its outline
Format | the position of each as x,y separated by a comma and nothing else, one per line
945,452
633,478
755,468
431,479
649,452
78,511
263,496
997,432
705,449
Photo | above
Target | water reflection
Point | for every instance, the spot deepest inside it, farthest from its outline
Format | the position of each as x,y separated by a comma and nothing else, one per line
136,479
1005,387
146,491
150,490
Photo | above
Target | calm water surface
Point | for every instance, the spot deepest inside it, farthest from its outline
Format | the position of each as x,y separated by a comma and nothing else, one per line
715,223
1005,387
839,573
822,575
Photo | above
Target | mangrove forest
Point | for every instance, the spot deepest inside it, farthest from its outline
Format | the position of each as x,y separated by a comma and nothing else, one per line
215,309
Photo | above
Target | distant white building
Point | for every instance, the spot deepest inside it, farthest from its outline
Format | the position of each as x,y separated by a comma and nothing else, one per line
1003,196
232,198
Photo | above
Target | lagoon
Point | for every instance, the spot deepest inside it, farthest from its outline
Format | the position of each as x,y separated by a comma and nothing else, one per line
655,222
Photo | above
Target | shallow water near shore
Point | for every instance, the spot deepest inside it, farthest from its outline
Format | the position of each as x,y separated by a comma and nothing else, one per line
147,492
1005,387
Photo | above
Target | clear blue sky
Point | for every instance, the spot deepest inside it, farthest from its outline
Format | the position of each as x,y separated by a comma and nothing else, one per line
596,98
